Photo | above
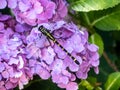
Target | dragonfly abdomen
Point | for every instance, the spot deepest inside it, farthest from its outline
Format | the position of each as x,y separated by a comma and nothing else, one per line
73,58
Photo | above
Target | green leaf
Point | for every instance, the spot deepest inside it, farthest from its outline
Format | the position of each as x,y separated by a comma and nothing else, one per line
92,80
85,84
91,5
113,82
98,88
106,20
96,39
109,22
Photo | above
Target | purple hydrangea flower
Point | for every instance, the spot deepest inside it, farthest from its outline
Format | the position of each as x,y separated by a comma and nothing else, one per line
10,3
3,4
25,52
13,63
61,10
35,12
69,86
48,59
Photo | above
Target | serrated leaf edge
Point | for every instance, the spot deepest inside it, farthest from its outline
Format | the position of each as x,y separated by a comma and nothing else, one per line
72,6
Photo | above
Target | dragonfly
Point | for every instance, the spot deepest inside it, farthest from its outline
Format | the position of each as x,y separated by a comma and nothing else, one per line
46,32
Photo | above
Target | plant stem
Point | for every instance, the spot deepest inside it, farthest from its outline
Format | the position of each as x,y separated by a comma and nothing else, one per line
112,65
87,18
90,28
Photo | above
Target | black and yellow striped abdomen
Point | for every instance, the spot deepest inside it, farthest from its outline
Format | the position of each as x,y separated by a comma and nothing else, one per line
49,35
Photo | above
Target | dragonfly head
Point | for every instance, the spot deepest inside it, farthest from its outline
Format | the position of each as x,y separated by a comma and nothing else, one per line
41,28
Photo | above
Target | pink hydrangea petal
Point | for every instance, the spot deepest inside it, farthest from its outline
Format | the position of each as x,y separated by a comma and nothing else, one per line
31,15
3,4
12,3
66,73
38,8
43,73
32,51
5,74
14,80
23,81
50,10
95,56
1,26
48,55
11,72
2,67
18,74
31,22
0,77
96,69
81,75
72,86
62,8
55,77
73,77
23,7
9,85
95,63
21,62
32,62
57,66
64,79
13,61
4,17
2,88
73,67
21,85
92,48
77,44
19,28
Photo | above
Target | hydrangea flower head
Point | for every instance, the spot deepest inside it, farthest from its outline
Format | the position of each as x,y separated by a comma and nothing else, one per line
34,12
25,52
13,63
53,61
